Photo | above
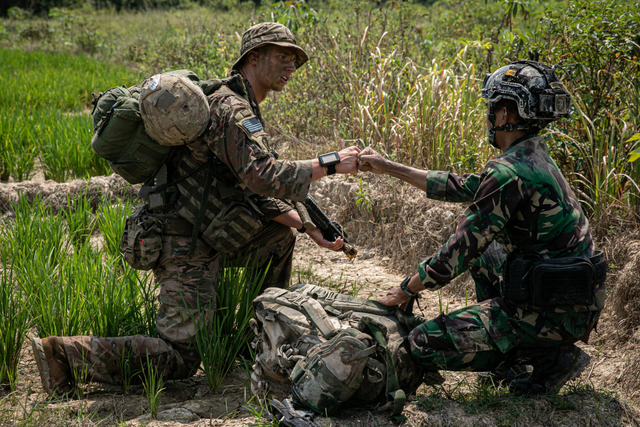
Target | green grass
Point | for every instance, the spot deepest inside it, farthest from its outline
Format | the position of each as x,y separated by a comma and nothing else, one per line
220,337
76,287
44,113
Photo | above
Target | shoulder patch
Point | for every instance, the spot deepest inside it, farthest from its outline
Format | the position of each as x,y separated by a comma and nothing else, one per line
252,125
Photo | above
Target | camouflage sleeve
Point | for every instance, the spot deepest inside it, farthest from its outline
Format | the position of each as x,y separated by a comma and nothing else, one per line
272,208
449,187
499,195
236,136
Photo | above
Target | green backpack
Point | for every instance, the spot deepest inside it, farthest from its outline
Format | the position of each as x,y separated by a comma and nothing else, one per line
119,135
326,348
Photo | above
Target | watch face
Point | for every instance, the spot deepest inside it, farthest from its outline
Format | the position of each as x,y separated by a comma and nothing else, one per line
330,158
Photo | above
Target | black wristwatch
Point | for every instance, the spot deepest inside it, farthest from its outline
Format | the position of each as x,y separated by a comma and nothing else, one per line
330,160
404,286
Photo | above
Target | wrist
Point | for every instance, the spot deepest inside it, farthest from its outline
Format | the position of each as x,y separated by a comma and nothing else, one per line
404,287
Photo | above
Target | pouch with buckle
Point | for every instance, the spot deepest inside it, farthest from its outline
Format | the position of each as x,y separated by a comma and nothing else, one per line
141,242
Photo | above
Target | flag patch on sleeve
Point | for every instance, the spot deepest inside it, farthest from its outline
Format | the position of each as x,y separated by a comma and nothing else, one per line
252,125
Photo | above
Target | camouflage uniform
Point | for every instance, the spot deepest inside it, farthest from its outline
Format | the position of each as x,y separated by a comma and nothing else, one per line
521,203
246,164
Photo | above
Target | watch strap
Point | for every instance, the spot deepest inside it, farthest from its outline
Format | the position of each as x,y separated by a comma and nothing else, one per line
404,286
331,170
302,229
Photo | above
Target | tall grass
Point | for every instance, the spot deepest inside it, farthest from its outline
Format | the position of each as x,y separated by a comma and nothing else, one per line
14,325
76,286
220,338
44,105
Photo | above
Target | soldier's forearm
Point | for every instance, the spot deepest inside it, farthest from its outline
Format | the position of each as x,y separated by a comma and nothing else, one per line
413,176
318,171
290,219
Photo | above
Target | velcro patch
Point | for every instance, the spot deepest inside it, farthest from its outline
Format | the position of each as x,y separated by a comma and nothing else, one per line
252,125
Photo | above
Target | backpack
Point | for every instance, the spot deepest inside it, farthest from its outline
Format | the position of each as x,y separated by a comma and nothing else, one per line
119,134
326,348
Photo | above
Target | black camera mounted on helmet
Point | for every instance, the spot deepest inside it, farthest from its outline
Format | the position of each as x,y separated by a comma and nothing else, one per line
540,97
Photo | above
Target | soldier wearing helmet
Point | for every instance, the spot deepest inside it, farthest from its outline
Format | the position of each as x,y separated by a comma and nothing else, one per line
249,187
525,240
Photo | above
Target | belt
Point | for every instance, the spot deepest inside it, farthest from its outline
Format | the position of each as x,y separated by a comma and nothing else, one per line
177,227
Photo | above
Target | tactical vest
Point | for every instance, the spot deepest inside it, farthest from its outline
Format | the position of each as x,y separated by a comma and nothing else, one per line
222,210
327,348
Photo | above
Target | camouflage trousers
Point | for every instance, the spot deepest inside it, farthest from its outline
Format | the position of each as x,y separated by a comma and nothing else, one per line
494,333
186,283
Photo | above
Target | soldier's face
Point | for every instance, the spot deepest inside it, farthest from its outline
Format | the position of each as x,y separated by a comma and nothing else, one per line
275,66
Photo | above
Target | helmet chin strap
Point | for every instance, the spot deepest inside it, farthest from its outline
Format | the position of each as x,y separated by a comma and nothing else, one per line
509,127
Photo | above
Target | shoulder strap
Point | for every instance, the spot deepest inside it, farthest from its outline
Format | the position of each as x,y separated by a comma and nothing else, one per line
398,397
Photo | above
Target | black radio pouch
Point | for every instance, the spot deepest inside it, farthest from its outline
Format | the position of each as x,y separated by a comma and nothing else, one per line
563,281
551,282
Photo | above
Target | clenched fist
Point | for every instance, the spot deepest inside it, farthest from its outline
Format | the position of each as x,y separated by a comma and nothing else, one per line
348,160
370,161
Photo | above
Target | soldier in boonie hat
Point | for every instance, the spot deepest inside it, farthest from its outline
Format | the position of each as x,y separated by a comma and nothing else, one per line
269,33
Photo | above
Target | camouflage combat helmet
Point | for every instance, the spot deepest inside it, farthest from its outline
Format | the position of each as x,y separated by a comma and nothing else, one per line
541,98
269,33
174,110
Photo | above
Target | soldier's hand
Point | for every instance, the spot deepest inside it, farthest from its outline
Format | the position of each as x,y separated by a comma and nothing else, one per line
316,235
394,297
348,160
370,161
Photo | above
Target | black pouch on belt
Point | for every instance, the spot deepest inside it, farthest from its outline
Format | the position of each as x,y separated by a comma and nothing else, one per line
564,281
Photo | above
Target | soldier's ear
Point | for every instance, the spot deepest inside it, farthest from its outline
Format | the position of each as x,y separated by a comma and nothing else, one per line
504,118
252,57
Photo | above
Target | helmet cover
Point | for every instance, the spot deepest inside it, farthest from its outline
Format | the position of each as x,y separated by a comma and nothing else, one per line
174,110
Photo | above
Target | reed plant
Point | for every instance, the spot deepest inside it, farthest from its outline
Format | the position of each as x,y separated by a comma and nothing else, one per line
14,326
220,337
153,386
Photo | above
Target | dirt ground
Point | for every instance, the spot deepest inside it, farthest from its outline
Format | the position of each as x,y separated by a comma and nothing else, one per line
401,226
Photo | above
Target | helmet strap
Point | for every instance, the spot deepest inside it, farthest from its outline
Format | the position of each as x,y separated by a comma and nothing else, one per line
509,127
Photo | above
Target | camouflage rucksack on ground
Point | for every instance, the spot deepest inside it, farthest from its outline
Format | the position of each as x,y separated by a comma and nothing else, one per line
326,348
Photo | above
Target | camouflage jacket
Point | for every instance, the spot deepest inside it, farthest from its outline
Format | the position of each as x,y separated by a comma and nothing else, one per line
236,136
521,200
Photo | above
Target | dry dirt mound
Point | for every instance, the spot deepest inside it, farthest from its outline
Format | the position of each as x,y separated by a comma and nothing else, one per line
112,187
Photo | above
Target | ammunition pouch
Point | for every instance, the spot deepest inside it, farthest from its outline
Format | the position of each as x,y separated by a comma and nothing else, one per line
141,242
553,282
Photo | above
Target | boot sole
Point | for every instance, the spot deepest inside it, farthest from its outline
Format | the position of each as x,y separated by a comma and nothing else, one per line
43,366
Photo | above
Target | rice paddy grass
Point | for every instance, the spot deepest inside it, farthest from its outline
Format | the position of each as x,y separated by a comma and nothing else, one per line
45,118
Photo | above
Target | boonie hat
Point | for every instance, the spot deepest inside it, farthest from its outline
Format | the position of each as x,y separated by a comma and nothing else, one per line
269,33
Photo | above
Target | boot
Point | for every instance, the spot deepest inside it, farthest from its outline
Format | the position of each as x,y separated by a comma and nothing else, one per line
552,371
53,365
501,377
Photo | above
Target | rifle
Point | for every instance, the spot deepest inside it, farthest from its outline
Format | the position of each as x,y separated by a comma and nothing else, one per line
312,216
285,414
